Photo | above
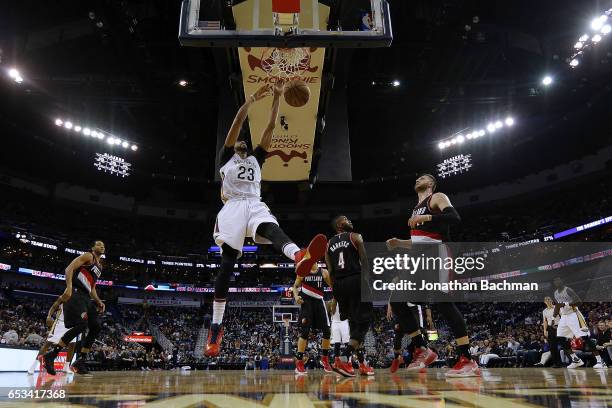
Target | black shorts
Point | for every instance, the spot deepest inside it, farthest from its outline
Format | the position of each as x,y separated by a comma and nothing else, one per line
313,313
75,310
347,292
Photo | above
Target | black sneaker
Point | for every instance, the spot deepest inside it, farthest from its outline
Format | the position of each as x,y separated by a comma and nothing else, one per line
79,367
49,361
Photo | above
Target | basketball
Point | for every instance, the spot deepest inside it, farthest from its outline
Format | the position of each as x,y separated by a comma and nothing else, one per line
297,93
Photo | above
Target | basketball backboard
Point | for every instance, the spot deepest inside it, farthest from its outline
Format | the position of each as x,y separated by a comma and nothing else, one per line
254,23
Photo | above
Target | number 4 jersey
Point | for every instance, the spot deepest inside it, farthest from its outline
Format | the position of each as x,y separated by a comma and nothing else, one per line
344,255
241,178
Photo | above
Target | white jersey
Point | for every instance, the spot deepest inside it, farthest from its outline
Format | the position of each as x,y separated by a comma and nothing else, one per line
547,314
241,178
562,296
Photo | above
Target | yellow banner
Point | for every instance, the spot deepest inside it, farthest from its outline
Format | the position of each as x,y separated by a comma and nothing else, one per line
290,155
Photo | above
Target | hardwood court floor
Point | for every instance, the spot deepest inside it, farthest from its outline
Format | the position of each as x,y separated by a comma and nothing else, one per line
527,387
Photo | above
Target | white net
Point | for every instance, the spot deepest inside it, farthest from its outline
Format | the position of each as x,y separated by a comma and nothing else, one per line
285,63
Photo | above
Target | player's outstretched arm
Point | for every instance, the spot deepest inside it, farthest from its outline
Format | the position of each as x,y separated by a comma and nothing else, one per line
266,137
54,307
234,131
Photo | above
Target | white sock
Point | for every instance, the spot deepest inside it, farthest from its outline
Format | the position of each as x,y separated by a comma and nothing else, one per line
218,310
290,249
574,356
34,365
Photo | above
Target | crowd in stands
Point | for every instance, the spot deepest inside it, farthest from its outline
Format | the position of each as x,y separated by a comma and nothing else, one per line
503,334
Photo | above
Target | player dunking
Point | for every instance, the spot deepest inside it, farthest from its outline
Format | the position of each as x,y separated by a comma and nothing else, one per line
313,315
430,223
81,277
346,257
245,215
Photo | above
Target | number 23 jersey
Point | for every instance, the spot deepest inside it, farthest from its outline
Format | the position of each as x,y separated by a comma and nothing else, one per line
241,178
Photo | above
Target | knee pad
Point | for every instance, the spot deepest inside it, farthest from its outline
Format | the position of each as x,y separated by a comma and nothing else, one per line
326,332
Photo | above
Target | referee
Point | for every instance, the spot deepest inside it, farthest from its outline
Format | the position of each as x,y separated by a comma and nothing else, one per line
550,323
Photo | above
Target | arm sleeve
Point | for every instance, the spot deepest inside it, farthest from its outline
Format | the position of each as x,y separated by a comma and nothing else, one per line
449,215
225,154
260,155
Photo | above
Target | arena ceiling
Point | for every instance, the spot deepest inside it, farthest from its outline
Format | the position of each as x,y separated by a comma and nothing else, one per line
118,64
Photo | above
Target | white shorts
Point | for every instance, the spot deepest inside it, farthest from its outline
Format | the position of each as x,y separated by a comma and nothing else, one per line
340,332
57,330
572,325
239,218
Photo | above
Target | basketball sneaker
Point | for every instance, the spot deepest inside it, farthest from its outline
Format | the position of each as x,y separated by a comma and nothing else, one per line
49,361
299,367
78,367
213,343
395,364
576,363
343,367
325,363
465,367
600,365
365,369
422,358
306,258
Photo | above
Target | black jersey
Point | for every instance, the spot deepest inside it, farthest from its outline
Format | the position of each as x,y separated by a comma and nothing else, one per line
312,285
344,255
87,275
431,230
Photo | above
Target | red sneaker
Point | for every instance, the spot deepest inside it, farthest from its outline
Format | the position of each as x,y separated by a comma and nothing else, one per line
465,367
307,258
365,369
396,363
344,368
326,366
299,367
422,358
213,343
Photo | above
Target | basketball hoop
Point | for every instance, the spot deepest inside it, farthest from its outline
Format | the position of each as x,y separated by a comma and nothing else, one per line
285,63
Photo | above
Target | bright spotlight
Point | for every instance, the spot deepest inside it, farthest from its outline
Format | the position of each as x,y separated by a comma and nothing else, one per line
596,38
19,79
597,22
118,141
441,145
86,131
547,80
13,73
396,83
110,141
606,29
59,122
491,127
453,141
460,139
125,144
468,136
77,128
509,121
574,63
68,125
498,124
583,38
578,45
134,147
481,133
182,82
